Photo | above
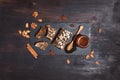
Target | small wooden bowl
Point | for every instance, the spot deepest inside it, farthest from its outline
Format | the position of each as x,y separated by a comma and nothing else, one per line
82,41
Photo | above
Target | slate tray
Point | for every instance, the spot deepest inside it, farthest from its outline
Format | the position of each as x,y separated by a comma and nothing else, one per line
78,51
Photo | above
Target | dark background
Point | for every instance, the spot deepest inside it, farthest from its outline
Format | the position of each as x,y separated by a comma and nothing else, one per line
17,64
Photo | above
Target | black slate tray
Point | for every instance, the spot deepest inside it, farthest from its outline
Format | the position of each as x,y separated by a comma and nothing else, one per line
57,26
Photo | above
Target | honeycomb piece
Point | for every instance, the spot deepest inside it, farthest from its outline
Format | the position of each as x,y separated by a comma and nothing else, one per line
50,32
62,38
42,45
41,31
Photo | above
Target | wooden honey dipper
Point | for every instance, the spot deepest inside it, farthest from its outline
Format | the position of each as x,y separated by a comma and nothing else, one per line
70,45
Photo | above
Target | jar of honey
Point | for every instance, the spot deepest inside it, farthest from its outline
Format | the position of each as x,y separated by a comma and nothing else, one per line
82,41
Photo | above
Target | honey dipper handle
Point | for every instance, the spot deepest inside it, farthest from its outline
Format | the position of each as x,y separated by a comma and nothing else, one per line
78,31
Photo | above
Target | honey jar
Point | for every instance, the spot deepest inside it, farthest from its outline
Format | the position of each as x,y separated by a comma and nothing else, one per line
82,41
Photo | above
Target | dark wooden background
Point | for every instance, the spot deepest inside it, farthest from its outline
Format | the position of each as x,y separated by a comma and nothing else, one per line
17,64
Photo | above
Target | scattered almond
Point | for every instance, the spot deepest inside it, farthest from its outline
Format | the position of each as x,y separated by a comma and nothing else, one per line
68,61
24,33
27,25
92,54
40,20
20,32
63,18
33,25
35,14
87,57
27,36
97,62
28,31
51,53
99,30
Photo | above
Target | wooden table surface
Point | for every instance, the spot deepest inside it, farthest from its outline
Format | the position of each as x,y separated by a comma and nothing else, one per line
16,63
